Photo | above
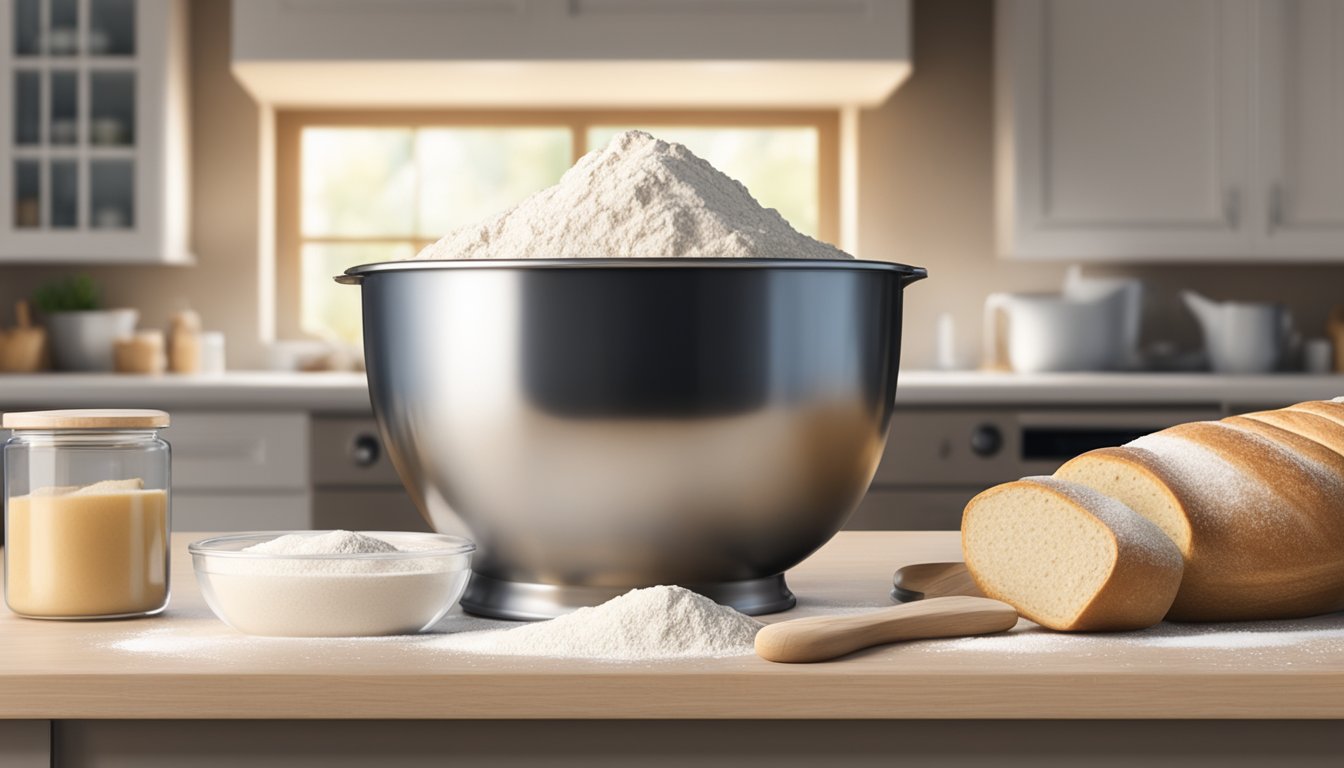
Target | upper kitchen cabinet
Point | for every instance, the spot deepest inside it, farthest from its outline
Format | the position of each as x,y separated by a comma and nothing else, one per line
1122,128
93,133
1302,127
1159,131
572,53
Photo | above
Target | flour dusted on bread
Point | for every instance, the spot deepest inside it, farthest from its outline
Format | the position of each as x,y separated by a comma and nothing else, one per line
1069,558
638,198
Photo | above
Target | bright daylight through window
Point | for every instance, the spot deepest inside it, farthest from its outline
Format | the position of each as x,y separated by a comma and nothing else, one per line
379,192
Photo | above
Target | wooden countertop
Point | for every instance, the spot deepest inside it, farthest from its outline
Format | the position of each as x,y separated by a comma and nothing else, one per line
187,664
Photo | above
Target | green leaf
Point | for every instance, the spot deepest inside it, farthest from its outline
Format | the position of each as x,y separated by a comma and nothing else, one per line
71,294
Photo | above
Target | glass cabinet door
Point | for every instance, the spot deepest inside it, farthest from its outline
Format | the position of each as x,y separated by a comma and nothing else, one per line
73,118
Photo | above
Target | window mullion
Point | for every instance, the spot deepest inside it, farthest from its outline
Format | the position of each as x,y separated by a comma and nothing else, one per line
417,169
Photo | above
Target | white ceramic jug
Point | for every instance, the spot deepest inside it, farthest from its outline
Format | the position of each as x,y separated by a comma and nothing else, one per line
1241,337
1053,332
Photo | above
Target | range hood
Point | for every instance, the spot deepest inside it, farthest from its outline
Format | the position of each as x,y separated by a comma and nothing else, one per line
571,53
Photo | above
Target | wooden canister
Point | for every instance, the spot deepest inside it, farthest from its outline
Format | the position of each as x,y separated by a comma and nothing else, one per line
23,349
1335,330
141,353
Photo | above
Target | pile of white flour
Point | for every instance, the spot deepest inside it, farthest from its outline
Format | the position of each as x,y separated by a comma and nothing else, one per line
643,624
638,198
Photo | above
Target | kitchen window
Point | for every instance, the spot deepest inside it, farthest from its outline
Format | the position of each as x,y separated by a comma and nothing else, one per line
358,187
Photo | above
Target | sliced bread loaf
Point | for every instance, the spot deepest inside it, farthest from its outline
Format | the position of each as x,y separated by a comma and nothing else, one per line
1310,425
1069,558
1329,409
1253,508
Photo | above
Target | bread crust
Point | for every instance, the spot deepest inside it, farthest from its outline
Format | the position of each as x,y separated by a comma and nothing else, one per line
1272,547
1327,409
1308,424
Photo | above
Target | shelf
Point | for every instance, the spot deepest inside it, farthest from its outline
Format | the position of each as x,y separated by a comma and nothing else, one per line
73,152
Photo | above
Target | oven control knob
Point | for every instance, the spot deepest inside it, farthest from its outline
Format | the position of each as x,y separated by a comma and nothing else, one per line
986,440
364,450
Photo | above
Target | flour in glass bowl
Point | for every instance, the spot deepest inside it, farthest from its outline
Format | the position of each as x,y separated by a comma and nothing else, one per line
334,584
638,198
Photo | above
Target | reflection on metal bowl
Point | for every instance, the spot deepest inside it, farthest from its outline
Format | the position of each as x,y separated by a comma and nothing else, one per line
601,425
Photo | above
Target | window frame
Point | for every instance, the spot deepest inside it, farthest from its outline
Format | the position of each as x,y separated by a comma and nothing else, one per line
290,123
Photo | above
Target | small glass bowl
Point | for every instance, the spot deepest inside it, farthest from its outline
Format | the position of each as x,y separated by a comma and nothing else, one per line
384,593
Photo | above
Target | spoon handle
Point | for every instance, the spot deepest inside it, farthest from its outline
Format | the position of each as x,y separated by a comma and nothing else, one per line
819,638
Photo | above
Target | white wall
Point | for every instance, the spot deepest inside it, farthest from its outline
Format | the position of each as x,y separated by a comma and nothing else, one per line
925,197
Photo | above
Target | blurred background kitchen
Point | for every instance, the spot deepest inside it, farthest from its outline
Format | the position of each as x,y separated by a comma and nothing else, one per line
1132,213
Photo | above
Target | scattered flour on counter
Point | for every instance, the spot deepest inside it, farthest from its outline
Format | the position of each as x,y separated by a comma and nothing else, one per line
1323,633
643,624
641,198
656,623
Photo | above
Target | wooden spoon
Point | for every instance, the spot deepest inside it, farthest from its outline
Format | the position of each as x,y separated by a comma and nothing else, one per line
820,638
916,582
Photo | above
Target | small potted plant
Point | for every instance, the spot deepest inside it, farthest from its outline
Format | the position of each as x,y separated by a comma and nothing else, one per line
82,334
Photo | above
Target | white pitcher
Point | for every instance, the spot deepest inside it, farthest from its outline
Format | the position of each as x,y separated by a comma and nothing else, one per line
1053,332
1242,337
1080,286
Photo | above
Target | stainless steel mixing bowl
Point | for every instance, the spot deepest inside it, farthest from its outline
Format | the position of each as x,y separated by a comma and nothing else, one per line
606,424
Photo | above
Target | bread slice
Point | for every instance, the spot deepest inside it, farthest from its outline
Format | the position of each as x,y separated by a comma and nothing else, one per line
1069,558
1255,511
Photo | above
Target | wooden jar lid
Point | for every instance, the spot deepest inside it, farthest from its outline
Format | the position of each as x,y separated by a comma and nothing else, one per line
87,418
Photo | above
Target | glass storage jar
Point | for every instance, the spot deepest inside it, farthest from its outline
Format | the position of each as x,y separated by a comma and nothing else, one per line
86,513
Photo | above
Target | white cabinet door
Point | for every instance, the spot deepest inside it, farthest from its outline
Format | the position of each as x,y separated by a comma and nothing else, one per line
1124,128
240,471
94,155
1302,127
239,451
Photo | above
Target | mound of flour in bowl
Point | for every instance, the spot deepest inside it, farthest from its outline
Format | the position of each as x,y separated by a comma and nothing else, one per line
307,554
640,198
642,624
329,543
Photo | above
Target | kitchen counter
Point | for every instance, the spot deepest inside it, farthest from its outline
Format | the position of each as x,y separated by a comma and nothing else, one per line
348,393
68,677
161,667
1105,389
235,390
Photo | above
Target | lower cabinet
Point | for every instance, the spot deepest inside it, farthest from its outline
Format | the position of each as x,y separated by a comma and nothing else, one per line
366,509
885,509
240,471
244,511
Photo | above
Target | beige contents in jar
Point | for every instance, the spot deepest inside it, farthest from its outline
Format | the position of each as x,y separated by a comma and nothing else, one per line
99,550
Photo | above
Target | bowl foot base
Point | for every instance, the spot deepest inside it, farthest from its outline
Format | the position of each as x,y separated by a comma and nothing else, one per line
525,601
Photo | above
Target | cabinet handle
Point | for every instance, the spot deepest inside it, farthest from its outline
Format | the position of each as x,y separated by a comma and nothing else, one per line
1275,206
1232,207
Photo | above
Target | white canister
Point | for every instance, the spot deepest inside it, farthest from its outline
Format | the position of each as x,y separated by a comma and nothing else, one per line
212,352
1318,356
